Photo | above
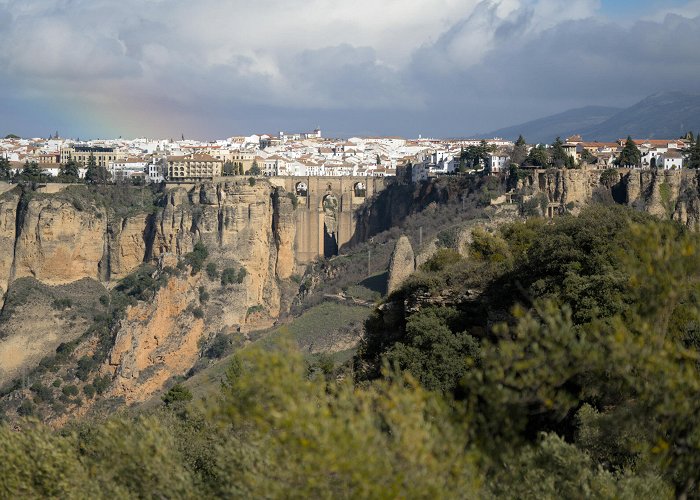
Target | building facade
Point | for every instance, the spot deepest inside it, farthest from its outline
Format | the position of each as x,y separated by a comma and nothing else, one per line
195,167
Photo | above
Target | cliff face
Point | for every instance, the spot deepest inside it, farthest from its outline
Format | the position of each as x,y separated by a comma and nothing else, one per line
668,194
58,241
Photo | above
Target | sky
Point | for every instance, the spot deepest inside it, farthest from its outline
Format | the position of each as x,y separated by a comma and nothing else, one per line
437,68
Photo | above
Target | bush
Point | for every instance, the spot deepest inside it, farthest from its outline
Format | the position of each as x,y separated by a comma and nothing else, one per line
177,394
198,313
255,309
89,391
70,390
229,276
219,347
197,257
43,393
26,409
62,304
211,271
203,295
251,181
242,273
443,258
57,382
101,384
86,364
295,200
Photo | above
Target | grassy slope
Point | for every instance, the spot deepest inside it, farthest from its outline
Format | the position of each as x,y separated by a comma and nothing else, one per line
312,327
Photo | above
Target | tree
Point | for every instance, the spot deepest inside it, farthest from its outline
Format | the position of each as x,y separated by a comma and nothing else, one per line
694,155
70,171
96,174
32,172
177,394
630,155
5,168
229,168
538,156
254,169
588,157
559,157
519,153
473,156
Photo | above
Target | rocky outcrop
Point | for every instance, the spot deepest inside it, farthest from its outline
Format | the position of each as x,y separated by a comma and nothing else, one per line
401,265
156,341
284,227
9,205
56,243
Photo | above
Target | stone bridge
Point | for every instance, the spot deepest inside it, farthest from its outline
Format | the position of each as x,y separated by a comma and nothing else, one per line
326,211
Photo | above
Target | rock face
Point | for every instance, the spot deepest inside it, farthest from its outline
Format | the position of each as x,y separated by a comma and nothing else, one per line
668,194
156,341
402,264
56,243
62,238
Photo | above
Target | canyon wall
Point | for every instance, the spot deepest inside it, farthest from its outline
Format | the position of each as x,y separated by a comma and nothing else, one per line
67,237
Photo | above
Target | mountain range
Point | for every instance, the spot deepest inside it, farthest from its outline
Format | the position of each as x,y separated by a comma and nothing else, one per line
665,115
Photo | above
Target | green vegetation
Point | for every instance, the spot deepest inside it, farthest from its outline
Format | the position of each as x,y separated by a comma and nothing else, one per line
560,360
212,273
630,155
195,259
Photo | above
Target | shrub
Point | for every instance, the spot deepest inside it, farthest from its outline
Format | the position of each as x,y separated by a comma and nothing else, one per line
197,257
61,304
101,384
295,200
251,181
57,382
203,295
198,313
255,309
26,409
219,346
177,394
212,273
86,364
89,391
70,390
229,276
445,257
42,392
242,273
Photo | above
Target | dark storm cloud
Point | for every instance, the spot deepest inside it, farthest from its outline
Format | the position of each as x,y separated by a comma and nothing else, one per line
437,67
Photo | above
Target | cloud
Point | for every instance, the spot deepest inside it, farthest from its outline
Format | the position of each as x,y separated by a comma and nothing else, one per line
214,67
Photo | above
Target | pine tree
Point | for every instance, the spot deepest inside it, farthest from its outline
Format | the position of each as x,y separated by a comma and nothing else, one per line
70,171
630,156
519,153
560,158
32,171
95,174
4,168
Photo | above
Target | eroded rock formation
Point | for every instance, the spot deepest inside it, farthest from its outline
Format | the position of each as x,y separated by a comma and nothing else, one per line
401,265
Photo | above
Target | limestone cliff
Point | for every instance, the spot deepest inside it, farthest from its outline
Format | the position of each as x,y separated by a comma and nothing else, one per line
401,265
155,341
668,194
62,238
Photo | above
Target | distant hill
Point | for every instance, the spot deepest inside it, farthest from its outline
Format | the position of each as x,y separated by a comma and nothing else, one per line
563,124
665,115
661,116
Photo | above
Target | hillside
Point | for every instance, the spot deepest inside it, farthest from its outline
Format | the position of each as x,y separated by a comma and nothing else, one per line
664,115
660,116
